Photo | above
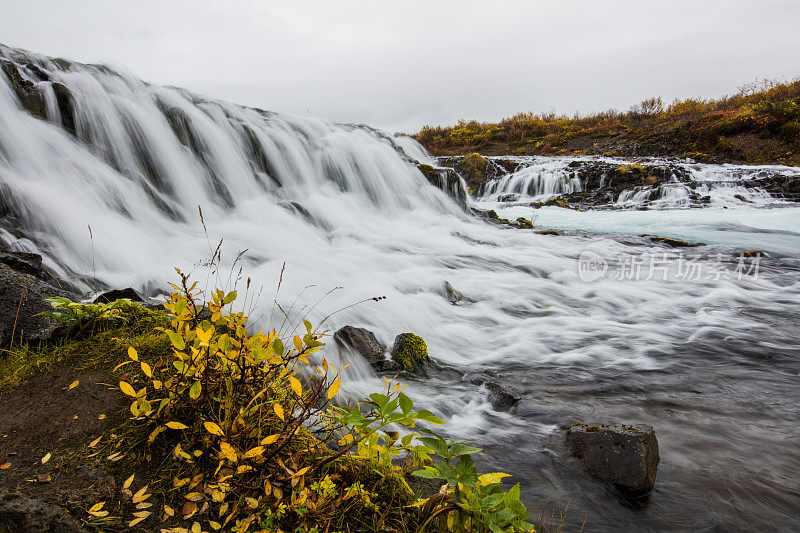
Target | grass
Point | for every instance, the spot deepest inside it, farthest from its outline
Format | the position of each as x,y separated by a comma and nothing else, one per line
758,124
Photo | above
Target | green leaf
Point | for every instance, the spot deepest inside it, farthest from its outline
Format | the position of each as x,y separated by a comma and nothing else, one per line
406,404
277,345
307,324
428,473
194,391
380,399
428,417
177,340
230,297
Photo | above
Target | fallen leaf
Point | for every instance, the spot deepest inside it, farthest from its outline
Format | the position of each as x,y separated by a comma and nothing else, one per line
43,478
101,417
4,466
46,458
73,385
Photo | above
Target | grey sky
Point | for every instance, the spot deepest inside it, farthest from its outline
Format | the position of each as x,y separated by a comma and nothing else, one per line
401,64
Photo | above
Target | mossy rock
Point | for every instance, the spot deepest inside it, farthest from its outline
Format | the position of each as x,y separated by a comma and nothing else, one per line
411,353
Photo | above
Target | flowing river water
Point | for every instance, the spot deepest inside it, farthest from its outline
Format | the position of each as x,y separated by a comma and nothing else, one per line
708,355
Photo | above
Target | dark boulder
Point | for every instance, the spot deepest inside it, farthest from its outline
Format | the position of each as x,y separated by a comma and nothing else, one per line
26,262
623,457
498,396
363,342
118,294
411,353
28,94
448,181
22,304
19,513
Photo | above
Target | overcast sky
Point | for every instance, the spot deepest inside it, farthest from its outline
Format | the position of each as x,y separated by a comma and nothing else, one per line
399,65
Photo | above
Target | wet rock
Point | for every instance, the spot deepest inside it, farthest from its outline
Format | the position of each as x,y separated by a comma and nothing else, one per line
499,397
27,92
26,262
411,353
65,107
22,304
524,223
118,294
363,342
674,243
623,457
452,294
548,232
751,254
19,513
448,181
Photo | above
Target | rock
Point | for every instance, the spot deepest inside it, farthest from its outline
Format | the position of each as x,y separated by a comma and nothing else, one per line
524,223
500,398
363,342
19,513
448,181
22,302
27,92
623,457
752,254
23,262
411,353
118,294
451,294
674,243
548,232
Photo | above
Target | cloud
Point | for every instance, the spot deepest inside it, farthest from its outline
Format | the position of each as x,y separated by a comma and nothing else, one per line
399,65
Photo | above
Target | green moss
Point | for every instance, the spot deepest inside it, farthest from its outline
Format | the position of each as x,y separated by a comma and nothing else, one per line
524,223
410,352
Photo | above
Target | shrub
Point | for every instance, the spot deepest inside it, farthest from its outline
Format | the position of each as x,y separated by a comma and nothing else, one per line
241,431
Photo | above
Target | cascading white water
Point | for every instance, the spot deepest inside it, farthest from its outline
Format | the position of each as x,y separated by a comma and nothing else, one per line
343,206
540,177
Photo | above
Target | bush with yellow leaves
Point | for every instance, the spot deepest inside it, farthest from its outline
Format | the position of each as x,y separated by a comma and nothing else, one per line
237,431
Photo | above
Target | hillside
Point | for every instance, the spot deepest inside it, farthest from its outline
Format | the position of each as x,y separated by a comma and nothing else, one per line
757,125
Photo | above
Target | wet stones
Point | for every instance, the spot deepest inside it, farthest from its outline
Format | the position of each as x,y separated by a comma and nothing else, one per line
411,353
363,342
623,457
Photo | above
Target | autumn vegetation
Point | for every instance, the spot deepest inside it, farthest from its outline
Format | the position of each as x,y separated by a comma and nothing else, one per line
222,426
758,124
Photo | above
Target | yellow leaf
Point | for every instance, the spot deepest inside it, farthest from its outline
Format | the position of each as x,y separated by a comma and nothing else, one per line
334,388
194,496
140,495
142,514
46,458
492,477
217,496
301,471
146,369
266,441
128,482
169,511
132,353
94,442
254,452
99,514
101,417
252,503
135,521
73,385
195,389
196,528
298,344
297,387
279,411
204,336
126,388
176,425
5,466
97,507
216,525
228,452
214,429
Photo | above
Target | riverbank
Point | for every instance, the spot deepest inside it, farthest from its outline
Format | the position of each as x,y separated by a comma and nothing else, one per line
754,126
